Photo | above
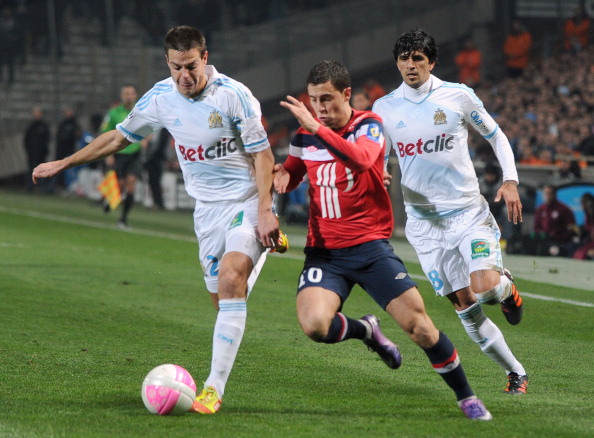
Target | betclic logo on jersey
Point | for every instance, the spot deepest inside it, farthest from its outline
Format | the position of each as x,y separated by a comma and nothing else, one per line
223,148
437,144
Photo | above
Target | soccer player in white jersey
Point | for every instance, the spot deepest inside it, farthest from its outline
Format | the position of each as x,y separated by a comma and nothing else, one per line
227,166
449,223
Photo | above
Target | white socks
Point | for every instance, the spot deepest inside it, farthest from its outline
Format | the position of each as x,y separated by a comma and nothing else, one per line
488,336
228,332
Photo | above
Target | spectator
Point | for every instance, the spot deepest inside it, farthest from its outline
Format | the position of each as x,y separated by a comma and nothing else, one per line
37,137
585,250
569,171
489,183
554,223
468,60
88,135
586,145
156,154
516,49
360,100
576,31
374,89
66,140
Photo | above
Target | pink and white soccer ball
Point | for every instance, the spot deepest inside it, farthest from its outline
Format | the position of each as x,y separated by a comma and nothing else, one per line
168,390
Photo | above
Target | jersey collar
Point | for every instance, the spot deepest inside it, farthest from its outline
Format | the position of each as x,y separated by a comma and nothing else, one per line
417,95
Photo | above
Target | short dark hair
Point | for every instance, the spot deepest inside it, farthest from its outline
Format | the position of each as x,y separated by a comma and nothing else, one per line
184,38
330,71
127,85
416,40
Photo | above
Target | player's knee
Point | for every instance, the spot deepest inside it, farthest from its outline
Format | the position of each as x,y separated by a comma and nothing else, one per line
315,332
489,296
232,283
313,325
422,331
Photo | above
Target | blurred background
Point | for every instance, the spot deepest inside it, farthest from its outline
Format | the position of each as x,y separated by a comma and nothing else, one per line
69,58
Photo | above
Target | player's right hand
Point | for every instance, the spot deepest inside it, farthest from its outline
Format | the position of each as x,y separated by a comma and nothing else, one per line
46,170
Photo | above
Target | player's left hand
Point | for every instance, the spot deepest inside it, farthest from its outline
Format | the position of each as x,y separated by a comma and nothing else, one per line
509,192
387,178
281,178
268,228
301,113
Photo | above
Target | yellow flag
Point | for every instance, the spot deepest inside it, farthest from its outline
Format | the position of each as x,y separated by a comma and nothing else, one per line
111,189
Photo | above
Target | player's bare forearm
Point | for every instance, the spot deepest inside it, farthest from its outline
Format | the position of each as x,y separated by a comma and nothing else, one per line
104,145
267,222
509,192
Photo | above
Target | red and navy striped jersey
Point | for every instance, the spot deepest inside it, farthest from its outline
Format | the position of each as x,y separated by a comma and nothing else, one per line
349,203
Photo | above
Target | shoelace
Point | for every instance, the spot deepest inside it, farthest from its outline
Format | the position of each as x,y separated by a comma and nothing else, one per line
514,380
209,396
475,409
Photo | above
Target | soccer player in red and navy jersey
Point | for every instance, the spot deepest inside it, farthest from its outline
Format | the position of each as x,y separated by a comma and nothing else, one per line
350,221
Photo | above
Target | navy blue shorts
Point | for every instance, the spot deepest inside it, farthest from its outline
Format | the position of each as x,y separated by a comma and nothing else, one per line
372,265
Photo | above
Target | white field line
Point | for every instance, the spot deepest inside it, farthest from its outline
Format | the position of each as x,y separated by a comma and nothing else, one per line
178,237
531,295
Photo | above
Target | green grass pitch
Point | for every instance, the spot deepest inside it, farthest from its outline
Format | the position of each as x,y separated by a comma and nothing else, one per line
87,310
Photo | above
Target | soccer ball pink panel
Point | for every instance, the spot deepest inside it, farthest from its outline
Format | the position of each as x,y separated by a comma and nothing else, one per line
168,390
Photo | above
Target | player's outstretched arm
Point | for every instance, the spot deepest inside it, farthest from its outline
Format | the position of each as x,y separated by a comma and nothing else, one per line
104,145
509,192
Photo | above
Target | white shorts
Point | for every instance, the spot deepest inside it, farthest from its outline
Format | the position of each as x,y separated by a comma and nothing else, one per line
450,249
226,227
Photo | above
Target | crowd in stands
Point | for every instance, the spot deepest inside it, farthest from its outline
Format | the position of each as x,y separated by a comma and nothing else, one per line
555,230
545,110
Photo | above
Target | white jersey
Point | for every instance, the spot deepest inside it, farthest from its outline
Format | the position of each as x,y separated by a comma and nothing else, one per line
427,128
214,134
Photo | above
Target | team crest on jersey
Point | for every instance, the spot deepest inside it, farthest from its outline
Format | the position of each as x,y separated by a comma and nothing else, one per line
237,220
215,120
439,118
479,248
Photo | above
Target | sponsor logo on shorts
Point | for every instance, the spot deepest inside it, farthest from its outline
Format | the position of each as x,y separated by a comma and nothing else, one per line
237,220
480,248
400,276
